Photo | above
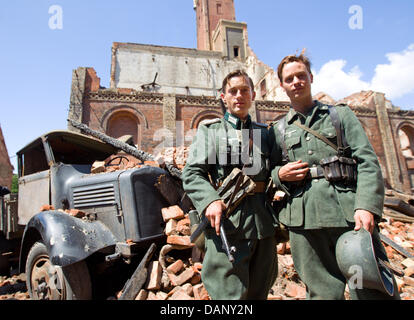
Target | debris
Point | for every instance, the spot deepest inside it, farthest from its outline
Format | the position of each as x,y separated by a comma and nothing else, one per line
46,207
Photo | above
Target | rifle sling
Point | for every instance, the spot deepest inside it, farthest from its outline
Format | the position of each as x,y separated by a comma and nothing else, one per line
316,134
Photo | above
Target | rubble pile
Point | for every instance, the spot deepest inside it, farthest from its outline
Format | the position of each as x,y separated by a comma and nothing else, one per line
14,287
402,234
177,156
169,277
288,285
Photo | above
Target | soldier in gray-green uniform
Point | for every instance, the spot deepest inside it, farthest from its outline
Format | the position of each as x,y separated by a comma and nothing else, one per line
214,153
317,212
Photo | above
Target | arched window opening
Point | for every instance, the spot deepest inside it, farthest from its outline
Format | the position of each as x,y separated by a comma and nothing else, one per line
123,123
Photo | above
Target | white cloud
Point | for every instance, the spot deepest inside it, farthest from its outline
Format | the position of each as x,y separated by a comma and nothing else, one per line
395,79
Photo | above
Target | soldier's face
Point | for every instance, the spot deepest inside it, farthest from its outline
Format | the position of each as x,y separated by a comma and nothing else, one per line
297,82
238,96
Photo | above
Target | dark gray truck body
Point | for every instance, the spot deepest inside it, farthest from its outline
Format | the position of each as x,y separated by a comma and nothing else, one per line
123,208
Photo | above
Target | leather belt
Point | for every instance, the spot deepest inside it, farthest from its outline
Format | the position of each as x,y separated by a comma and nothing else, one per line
315,173
260,187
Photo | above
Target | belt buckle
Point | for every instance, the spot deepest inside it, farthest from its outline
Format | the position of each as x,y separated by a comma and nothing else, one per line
314,172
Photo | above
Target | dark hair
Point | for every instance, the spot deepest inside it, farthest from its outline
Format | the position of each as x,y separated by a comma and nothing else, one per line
236,73
293,58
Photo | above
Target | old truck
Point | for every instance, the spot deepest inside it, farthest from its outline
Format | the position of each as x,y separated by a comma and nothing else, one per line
66,257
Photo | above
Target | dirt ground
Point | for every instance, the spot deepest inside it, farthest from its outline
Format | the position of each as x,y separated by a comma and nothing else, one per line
288,285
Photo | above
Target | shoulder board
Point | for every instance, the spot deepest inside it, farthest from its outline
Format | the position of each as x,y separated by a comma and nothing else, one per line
210,121
263,125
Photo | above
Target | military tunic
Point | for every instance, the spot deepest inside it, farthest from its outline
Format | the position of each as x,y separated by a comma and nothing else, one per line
317,212
250,228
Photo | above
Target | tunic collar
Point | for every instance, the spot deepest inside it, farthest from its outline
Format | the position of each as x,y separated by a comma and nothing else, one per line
292,115
235,122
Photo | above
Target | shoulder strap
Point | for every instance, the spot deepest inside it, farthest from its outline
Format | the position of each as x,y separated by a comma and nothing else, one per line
316,134
281,127
336,121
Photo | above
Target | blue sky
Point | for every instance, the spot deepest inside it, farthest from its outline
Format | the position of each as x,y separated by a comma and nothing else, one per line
37,61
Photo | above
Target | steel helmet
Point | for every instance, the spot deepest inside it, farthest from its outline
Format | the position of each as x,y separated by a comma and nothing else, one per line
356,248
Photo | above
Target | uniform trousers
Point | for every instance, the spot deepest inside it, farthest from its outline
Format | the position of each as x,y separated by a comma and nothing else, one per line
249,277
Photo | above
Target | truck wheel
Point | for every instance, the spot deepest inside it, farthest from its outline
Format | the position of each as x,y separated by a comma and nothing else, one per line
46,281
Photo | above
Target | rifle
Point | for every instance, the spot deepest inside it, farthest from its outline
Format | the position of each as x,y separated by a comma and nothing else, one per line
232,194
139,154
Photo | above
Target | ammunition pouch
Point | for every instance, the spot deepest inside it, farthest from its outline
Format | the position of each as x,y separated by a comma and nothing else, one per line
339,168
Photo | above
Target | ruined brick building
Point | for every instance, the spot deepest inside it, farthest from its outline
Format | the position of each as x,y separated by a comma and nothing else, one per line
6,168
158,93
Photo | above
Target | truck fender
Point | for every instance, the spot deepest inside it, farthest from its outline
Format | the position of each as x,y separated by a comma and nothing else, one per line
67,239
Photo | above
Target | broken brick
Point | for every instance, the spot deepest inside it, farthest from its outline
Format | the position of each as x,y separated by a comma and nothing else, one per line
47,207
295,291
173,212
180,294
154,276
75,213
170,227
98,167
409,271
176,267
161,295
180,240
200,293
196,278
188,288
184,276
408,263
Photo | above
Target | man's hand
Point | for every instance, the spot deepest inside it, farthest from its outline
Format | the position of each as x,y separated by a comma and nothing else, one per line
293,171
365,219
213,214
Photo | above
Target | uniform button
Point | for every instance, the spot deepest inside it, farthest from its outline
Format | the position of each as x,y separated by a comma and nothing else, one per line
310,152
308,138
315,180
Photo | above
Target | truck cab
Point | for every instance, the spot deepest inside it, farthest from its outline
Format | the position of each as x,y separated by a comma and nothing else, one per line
120,214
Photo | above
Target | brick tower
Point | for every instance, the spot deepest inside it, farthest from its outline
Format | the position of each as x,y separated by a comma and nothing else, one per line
208,15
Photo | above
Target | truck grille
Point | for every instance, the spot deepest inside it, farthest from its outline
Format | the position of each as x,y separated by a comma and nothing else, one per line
91,196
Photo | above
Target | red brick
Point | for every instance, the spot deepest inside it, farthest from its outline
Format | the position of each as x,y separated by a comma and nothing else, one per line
154,276
200,293
180,240
198,266
173,212
295,291
76,213
175,267
47,207
184,276
171,227
196,278
180,294
98,167
409,271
